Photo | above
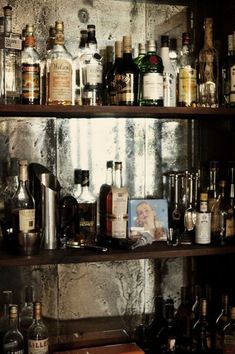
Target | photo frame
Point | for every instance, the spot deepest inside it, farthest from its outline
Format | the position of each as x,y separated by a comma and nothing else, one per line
148,215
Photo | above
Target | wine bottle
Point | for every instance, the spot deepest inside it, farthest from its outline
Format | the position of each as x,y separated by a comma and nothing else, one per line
37,333
169,75
203,222
110,77
4,319
13,341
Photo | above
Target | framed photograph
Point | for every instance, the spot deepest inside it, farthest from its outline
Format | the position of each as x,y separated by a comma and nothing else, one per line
148,215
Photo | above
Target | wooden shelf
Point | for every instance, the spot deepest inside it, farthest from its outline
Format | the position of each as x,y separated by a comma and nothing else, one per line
154,251
114,111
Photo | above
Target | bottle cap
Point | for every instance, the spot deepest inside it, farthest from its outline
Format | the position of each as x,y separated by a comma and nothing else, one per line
91,27
118,49
109,164
118,165
7,10
142,48
186,38
204,197
173,43
127,44
151,45
59,26
165,41
77,176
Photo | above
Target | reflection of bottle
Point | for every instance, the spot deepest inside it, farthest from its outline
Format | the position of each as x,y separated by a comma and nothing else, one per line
203,222
104,190
37,332
4,319
13,341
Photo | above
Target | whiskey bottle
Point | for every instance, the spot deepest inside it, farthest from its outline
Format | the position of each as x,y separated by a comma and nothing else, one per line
37,333
59,66
151,82
187,74
229,334
104,191
4,319
169,75
208,69
23,206
13,341
110,77
203,222
221,322
87,209
30,69
127,77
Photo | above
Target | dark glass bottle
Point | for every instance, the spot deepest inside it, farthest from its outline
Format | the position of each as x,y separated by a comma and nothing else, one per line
26,313
196,296
110,77
156,326
4,318
183,320
202,331
127,77
13,341
37,335
221,322
229,334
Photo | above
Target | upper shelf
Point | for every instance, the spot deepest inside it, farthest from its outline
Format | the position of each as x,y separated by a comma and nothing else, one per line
114,112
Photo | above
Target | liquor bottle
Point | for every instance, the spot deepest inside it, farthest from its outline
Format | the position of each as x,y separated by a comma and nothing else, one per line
77,183
229,334
187,74
127,77
203,222
92,71
13,341
59,66
78,68
110,77
4,318
173,54
196,296
151,82
142,53
11,69
189,217
208,69
37,333
30,69
230,223
87,209
227,61
184,320
116,207
26,313
176,215
156,326
104,191
232,75
221,322
213,183
202,331
169,75
23,206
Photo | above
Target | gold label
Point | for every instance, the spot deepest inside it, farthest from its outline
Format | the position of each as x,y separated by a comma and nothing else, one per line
60,81
119,201
125,87
187,85
38,346
26,219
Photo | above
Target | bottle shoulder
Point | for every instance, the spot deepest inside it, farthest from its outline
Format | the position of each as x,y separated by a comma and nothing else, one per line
30,56
37,330
59,51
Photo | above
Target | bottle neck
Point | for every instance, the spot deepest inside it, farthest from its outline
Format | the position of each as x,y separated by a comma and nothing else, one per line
109,176
13,324
118,178
208,35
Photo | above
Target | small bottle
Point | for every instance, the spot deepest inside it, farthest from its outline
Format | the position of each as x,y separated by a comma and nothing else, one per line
37,334
208,69
104,191
142,53
26,313
202,331
232,75
127,77
13,341
203,222
23,206
229,334
30,69
87,208
221,322
187,74
169,75
4,319
111,89
151,82
59,71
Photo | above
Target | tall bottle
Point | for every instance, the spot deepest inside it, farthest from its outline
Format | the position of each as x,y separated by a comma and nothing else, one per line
151,82
4,319
229,334
176,215
59,71
208,69
173,54
111,89
169,75
183,320
227,62
87,206
78,68
189,216
221,321
187,74
104,191
26,313
203,222
13,341
202,331
23,205
116,206
38,333
232,74
156,325
127,77
30,69
213,183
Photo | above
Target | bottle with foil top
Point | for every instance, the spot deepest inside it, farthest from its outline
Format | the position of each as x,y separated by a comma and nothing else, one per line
13,341
59,71
203,222
38,333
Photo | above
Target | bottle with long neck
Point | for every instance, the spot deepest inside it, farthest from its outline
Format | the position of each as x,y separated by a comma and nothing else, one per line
169,75
183,320
142,53
202,331
13,341
111,89
156,325
213,181
208,69
229,334
220,323
104,190
37,335
189,216
4,319
26,313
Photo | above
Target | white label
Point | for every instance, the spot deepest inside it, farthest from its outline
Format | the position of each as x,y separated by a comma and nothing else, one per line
38,346
153,86
119,201
93,74
26,219
119,228
60,80
203,228
13,43
187,85
169,89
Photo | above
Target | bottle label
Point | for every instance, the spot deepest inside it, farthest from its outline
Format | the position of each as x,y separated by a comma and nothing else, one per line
187,85
30,81
119,202
153,86
26,219
230,226
93,73
38,346
60,81
169,90
125,87
117,228
203,228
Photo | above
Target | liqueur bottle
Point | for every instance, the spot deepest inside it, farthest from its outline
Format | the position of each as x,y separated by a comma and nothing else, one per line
187,74
23,206
202,331
13,341
229,334
127,77
169,75
208,69
151,83
104,191
30,69
37,333
110,77
4,319
220,324
87,208
59,71
203,222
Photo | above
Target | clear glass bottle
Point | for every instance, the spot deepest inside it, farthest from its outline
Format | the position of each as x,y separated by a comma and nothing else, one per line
173,54
13,341
189,216
176,215
110,77
229,334
187,74
213,183
23,205
151,83
37,334
26,313
208,69
87,208
59,66
203,222
169,75
30,69
127,77
4,318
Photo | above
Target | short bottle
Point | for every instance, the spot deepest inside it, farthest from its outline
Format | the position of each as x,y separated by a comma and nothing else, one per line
151,79
30,69
13,341
203,222
169,74
38,342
